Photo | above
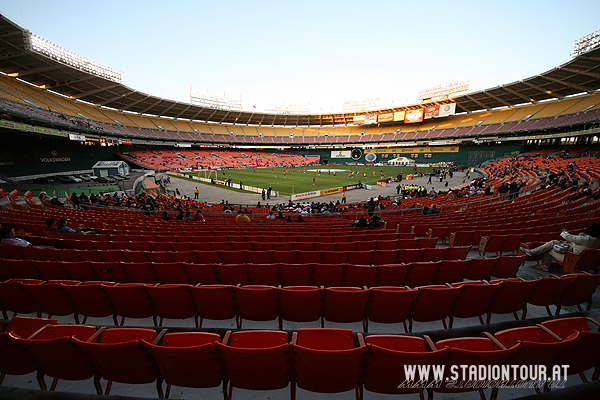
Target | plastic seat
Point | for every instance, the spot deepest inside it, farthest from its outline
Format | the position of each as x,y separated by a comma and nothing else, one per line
256,303
472,351
385,371
141,246
52,298
328,274
221,246
89,255
366,257
300,304
264,274
512,296
200,273
214,302
255,360
173,301
360,275
173,272
131,300
434,254
539,346
187,359
178,247
201,246
335,257
235,257
296,274
492,244
15,361
140,272
51,270
550,290
512,242
326,361
346,304
391,304
583,355
109,271
15,298
91,300
304,257
474,300
308,246
579,292
393,274
189,256
506,267
160,256
80,271
433,303
136,256
370,245
422,273
232,274
118,358
112,255
450,271
409,255
457,252
55,355
480,268
22,269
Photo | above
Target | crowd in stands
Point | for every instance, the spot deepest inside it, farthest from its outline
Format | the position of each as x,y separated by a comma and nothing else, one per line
192,160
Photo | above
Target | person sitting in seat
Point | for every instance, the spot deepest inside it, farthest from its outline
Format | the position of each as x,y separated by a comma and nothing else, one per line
9,237
50,225
62,227
576,244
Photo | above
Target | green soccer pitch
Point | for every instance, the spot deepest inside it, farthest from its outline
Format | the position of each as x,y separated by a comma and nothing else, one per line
301,179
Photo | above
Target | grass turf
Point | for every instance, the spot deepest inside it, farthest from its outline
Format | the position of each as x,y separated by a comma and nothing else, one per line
301,181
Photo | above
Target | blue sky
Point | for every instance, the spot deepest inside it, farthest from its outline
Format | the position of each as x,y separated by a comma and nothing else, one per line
320,53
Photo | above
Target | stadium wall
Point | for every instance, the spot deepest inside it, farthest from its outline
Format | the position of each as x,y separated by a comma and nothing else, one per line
31,154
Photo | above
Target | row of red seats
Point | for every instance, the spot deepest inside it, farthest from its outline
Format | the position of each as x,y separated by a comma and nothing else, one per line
473,236
365,257
241,235
286,274
315,360
382,304
231,245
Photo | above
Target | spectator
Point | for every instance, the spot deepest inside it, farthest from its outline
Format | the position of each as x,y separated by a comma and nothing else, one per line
576,244
361,223
50,225
187,216
62,227
75,201
165,216
300,219
243,218
198,217
9,237
270,216
55,201
376,222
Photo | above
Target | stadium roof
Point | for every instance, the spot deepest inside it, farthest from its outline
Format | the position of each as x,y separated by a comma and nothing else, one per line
579,75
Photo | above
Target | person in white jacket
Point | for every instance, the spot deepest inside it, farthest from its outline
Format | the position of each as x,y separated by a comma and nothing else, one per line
576,244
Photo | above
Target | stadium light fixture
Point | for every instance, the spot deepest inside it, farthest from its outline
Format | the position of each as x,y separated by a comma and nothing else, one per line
586,43
42,46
